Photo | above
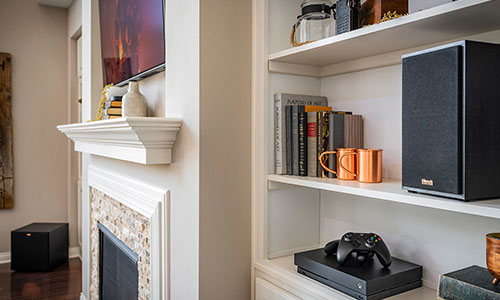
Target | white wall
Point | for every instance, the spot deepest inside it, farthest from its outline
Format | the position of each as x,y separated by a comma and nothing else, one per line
36,37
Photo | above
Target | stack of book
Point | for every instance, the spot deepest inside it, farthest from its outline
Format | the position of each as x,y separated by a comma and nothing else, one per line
113,108
304,128
472,283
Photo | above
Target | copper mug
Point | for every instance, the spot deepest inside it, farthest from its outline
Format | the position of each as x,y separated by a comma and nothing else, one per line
349,170
365,165
493,255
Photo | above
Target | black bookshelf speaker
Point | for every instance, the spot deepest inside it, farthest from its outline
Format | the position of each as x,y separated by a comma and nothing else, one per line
451,121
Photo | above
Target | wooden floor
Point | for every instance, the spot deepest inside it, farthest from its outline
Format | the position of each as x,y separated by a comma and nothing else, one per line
64,283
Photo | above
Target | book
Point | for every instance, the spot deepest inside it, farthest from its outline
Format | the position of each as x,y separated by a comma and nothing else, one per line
322,141
336,139
107,117
471,283
113,111
113,103
353,131
302,141
312,148
295,140
311,108
288,137
281,100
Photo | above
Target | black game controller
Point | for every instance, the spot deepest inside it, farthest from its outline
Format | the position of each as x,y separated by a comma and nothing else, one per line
361,256
361,243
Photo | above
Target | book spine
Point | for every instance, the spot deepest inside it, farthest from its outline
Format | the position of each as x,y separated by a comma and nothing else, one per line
312,138
455,289
332,162
336,139
279,154
295,140
302,141
318,143
288,138
323,133
360,131
353,131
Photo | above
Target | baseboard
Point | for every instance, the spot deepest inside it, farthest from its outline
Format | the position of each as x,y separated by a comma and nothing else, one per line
72,253
4,257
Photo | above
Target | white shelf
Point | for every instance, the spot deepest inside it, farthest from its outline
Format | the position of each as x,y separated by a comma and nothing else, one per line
283,270
389,190
134,139
384,42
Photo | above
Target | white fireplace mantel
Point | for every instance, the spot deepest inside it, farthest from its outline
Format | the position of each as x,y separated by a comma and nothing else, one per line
144,140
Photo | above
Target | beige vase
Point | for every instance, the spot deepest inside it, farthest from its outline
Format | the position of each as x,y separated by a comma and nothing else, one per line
133,102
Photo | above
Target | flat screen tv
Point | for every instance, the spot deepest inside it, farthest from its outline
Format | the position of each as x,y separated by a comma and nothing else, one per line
132,39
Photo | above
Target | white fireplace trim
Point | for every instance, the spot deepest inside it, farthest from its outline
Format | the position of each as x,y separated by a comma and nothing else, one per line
150,201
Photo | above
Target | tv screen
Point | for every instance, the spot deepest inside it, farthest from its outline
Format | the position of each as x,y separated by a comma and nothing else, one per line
132,38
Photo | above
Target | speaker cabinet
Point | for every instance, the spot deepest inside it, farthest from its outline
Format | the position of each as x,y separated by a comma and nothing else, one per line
451,121
39,247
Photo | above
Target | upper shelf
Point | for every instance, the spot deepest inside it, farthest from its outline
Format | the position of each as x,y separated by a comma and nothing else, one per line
335,55
141,140
389,190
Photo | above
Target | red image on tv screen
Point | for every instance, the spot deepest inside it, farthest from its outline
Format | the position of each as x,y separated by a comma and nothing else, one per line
132,37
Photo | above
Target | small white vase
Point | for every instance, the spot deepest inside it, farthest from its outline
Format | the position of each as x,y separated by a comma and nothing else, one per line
133,102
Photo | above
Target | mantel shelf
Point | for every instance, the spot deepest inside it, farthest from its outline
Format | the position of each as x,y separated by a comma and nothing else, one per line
135,139
383,44
389,190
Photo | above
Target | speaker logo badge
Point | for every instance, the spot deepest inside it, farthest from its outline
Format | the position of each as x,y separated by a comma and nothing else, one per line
428,182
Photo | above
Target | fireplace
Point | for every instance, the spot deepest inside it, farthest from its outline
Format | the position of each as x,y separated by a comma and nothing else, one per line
128,238
118,273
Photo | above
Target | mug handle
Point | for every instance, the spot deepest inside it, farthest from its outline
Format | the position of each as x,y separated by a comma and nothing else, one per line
323,164
342,166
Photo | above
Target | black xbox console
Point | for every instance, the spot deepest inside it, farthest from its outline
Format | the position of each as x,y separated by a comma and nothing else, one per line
367,281
451,104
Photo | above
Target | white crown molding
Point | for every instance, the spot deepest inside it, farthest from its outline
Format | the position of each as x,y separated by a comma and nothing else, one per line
144,140
150,201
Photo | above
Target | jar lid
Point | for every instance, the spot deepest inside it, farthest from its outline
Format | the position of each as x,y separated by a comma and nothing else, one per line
312,6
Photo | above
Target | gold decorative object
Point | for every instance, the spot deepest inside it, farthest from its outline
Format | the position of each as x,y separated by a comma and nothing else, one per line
100,110
391,15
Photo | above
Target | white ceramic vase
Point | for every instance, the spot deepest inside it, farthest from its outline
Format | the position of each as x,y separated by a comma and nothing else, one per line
133,102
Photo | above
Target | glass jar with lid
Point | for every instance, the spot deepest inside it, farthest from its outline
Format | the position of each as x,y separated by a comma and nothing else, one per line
316,22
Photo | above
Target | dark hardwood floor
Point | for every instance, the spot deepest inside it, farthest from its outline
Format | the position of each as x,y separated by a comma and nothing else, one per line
64,283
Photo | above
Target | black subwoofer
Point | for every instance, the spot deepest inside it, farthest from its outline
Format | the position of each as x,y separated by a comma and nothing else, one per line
451,121
39,247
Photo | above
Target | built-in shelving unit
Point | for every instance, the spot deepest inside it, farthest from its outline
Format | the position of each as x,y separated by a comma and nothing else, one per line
290,215
387,41
144,140
389,190
285,267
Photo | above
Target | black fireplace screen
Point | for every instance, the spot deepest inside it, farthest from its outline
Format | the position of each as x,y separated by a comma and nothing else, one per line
118,272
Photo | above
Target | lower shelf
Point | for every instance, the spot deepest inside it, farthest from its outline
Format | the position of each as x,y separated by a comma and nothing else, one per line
389,190
284,273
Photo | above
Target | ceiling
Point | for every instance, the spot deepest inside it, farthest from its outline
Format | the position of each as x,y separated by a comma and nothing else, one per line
57,3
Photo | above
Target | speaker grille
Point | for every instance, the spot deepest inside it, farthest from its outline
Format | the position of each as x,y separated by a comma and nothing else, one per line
432,126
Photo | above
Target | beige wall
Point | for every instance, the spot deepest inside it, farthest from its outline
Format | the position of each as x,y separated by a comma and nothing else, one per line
36,36
225,111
